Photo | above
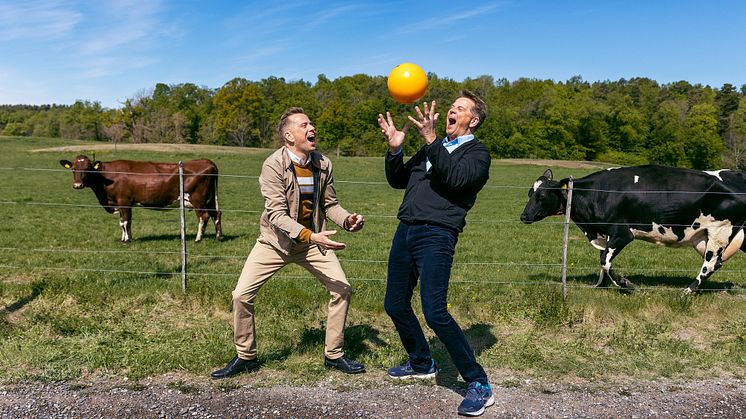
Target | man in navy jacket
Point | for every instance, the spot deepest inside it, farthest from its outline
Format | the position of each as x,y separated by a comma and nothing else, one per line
442,181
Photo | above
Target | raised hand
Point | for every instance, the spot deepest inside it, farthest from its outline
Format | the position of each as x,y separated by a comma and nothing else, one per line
394,137
426,122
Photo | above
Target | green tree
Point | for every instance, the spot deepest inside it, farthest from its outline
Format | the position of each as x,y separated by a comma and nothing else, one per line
703,144
626,124
736,137
727,99
666,142
237,111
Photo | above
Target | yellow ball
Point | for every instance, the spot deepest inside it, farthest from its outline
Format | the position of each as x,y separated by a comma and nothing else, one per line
407,83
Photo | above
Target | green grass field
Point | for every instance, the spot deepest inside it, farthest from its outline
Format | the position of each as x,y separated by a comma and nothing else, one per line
74,301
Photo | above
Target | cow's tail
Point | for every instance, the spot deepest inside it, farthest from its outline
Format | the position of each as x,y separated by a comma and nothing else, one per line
215,187
217,215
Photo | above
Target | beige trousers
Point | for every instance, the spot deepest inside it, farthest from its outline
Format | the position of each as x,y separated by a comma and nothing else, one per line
263,261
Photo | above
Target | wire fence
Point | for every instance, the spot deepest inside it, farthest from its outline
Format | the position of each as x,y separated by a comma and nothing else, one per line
553,270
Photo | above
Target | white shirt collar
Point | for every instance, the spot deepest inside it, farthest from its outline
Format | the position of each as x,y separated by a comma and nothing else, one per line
297,160
457,141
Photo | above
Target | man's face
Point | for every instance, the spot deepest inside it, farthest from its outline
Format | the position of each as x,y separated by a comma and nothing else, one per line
460,120
301,134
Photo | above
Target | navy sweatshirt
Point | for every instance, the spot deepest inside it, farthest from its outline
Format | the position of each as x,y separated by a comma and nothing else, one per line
444,194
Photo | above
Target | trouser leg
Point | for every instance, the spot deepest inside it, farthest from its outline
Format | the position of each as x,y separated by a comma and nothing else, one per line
260,265
435,249
400,282
326,268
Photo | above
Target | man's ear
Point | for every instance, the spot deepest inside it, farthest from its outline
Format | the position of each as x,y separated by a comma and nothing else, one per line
289,137
474,122
97,165
66,164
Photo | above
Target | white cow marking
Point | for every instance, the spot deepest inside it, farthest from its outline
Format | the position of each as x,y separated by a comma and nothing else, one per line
537,184
123,224
612,168
609,255
715,173
187,202
709,227
200,229
637,178
599,242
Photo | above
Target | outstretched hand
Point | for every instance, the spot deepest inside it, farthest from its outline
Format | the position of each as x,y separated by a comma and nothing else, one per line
322,238
425,122
394,137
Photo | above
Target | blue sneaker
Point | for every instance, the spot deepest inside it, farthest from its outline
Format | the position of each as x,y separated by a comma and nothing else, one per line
405,371
478,396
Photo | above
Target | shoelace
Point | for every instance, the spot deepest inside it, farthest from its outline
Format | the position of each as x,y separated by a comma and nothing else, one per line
475,390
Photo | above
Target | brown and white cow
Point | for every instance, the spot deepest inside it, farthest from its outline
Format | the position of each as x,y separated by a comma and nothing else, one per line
120,185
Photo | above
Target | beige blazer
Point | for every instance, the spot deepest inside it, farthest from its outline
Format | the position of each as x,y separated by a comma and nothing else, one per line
278,225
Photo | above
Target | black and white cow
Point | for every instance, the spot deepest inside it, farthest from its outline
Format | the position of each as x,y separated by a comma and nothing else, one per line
663,205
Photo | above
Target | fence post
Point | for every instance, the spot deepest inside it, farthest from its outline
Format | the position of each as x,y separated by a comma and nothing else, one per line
182,216
565,239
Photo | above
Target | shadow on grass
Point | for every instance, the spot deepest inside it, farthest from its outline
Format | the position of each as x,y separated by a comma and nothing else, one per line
480,338
358,342
36,289
643,281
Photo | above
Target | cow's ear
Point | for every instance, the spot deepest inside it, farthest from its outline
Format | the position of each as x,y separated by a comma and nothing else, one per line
548,174
66,164
97,165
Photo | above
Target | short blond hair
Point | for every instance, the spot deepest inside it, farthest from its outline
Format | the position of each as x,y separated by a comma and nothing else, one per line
284,120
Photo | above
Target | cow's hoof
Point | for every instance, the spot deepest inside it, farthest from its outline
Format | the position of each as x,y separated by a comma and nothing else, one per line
688,291
219,238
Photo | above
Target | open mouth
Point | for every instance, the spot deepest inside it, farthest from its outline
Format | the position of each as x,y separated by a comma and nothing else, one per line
312,139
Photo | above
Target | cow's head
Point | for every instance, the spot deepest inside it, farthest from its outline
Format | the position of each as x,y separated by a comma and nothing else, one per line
546,197
83,170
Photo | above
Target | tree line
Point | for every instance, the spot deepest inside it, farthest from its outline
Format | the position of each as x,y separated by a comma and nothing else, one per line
631,121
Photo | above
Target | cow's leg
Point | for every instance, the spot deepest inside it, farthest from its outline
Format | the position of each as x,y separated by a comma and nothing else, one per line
125,222
617,241
715,254
202,218
713,261
601,279
216,216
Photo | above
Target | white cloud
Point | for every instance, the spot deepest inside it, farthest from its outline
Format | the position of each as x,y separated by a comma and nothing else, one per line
324,16
262,53
436,22
129,23
36,19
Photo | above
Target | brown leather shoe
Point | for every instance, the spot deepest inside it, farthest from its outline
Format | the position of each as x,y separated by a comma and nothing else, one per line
236,366
345,364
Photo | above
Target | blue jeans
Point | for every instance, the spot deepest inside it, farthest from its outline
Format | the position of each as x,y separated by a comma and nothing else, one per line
426,252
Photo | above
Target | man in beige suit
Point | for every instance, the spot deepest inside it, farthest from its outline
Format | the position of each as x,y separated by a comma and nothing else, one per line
298,188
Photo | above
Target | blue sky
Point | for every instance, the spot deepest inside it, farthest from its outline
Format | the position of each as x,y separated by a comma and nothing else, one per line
59,51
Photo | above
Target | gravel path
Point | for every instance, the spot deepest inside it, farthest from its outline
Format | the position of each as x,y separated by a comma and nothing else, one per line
373,396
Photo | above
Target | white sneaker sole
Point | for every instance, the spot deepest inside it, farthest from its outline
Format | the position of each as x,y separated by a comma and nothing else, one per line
417,377
487,404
